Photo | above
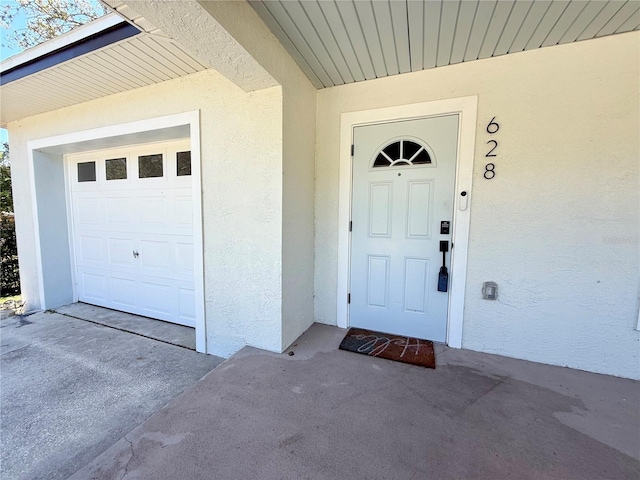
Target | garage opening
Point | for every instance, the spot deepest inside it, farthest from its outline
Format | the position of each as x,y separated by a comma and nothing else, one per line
131,229
118,220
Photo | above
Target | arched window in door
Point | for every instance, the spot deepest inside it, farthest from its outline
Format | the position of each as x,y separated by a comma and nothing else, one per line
402,153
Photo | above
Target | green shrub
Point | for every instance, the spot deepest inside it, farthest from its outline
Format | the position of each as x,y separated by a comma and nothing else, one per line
9,272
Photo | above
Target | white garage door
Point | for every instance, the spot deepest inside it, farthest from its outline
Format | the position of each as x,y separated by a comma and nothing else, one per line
132,230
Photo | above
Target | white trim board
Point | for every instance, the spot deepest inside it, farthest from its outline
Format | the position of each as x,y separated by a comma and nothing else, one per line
68,143
466,108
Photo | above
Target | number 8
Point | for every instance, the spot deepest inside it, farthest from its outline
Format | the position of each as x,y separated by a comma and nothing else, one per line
489,171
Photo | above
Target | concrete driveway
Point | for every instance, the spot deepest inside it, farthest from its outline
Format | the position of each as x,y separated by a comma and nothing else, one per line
70,389
328,414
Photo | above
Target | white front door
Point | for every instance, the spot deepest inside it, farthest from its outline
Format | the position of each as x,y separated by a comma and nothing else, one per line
402,208
132,230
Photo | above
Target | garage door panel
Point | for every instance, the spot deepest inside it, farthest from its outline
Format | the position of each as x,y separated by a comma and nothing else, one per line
89,211
121,252
186,305
166,253
119,211
173,300
90,248
95,286
184,257
156,254
133,238
158,298
152,211
184,211
124,292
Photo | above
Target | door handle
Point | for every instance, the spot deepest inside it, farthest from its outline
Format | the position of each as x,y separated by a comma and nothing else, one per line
135,254
443,276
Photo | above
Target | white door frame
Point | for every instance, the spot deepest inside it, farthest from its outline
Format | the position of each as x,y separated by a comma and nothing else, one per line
466,108
59,142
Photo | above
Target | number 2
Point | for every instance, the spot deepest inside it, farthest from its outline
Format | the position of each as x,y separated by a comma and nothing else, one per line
495,145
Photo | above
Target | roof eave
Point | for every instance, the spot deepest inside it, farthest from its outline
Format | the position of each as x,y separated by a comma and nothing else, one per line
63,41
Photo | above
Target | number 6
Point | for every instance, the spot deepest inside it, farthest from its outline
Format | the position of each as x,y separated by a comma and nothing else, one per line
492,127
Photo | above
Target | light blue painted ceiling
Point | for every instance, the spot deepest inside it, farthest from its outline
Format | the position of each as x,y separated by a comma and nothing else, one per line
345,41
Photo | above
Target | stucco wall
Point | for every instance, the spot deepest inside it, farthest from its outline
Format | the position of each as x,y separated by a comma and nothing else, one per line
558,227
50,181
242,195
298,158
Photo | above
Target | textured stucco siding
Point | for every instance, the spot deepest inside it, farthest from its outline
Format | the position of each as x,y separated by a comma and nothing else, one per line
298,211
298,158
558,227
241,147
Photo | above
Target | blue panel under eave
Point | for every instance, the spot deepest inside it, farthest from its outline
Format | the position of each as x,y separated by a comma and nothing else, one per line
95,42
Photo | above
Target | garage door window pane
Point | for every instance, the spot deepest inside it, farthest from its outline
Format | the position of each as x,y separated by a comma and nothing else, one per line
116,168
87,172
150,166
184,163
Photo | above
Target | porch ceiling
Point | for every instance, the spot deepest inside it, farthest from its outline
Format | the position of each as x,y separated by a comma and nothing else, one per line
337,41
334,42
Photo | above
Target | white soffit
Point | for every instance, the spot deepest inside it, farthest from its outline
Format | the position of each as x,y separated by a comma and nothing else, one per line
344,41
190,24
131,63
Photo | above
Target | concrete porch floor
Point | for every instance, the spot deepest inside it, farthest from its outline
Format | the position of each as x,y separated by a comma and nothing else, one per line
328,414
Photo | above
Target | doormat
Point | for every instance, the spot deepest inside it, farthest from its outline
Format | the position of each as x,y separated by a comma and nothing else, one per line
392,347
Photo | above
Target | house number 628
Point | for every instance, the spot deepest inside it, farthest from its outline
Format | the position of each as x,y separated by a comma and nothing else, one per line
489,169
